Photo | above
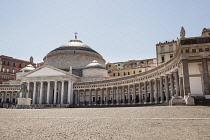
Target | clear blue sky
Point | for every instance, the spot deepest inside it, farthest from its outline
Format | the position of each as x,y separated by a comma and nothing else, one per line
119,30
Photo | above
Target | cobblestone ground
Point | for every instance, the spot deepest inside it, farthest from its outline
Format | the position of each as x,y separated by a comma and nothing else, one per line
159,123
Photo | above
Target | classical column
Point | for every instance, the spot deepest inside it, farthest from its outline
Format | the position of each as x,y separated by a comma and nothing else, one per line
156,90
161,89
102,96
205,76
123,90
96,96
34,93
84,97
55,92
28,87
90,97
145,92
181,91
186,78
129,95
171,85
107,96
140,93
121,96
41,93
117,95
151,91
166,88
69,92
78,97
112,95
134,93
48,92
177,83
62,91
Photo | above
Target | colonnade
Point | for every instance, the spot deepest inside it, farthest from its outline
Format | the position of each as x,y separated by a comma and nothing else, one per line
157,90
50,92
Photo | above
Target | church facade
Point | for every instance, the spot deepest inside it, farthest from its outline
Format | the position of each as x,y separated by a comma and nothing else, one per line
75,74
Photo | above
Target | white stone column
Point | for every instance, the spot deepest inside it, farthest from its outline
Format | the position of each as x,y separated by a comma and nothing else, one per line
112,95
90,97
123,91
129,95
151,91
55,92
117,94
166,88
28,88
140,93
145,92
107,96
134,93
156,91
161,90
69,92
171,85
102,96
84,97
177,83
62,91
41,92
78,97
48,92
34,93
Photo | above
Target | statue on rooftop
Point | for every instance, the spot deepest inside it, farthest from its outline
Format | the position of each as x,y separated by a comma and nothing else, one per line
182,32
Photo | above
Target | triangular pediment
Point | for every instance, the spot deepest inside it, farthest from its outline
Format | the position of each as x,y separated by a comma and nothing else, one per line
46,71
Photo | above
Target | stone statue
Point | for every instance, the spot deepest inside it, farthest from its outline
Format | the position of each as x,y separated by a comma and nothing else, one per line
182,33
23,90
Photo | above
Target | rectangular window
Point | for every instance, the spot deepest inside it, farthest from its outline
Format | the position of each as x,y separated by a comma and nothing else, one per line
8,63
193,50
4,62
134,72
162,59
118,64
118,74
13,71
171,56
3,70
20,66
162,50
170,48
13,64
7,70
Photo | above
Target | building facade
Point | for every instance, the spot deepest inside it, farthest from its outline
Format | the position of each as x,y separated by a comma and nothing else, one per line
88,83
10,66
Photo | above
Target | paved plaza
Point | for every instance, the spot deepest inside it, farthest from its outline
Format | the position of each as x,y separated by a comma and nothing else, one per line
153,122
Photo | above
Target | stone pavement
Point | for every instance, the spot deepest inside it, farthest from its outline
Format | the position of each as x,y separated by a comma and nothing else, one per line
152,122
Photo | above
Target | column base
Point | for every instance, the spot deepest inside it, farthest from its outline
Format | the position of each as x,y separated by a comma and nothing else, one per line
207,96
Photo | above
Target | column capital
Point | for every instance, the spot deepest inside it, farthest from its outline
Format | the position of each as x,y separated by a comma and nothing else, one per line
204,55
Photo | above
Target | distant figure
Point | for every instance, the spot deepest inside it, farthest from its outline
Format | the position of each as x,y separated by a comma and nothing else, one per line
182,32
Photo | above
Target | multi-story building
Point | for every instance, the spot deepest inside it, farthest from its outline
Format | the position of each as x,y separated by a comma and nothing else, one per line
165,51
10,66
120,69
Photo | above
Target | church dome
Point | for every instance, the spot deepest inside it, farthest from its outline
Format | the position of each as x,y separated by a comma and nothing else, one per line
94,64
73,53
27,68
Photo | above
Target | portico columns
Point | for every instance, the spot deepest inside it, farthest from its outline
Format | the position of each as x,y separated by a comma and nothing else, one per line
134,93
34,93
62,91
102,96
145,92
161,89
41,93
171,85
123,90
90,96
129,95
177,83
151,91
156,91
69,92
84,97
28,87
48,92
117,93
140,94
55,92
186,78
205,76
166,88
112,95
